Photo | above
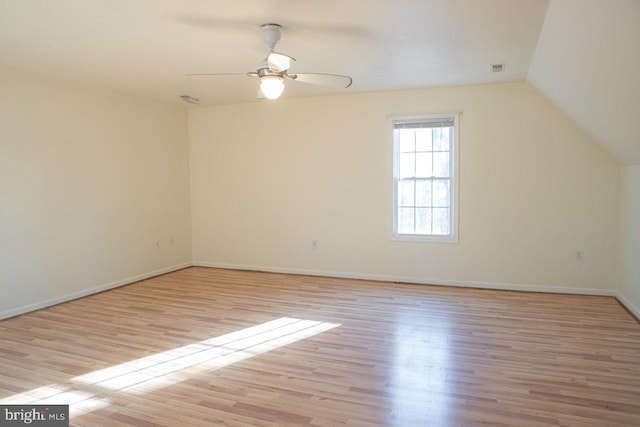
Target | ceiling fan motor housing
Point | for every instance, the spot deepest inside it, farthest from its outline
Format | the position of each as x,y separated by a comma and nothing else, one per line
270,34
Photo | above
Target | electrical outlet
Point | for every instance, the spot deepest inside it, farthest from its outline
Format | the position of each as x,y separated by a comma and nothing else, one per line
171,241
157,244
314,244
579,256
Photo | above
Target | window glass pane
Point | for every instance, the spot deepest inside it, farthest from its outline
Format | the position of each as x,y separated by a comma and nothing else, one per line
423,221
406,193
423,140
441,164
424,168
423,193
441,139
405,221
407,165
441,193
407,140
424,165
441,221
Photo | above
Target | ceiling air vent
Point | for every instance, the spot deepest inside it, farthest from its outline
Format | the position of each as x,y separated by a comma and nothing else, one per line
190,99
497,68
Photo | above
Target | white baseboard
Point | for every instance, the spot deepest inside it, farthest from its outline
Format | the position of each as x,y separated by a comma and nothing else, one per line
83,293
628,305
403,279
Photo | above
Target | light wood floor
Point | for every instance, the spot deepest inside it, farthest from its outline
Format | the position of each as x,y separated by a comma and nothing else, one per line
202,347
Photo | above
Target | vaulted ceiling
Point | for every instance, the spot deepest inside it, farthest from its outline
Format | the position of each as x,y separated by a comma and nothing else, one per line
588,63
582,54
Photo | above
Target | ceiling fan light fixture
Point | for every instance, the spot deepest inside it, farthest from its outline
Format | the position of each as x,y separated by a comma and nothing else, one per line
274,69
271,86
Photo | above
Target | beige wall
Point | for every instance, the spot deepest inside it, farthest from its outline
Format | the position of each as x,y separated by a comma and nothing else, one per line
629,250
270,177
89,180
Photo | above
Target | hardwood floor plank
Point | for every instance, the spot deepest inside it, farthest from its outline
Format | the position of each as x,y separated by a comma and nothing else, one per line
205,346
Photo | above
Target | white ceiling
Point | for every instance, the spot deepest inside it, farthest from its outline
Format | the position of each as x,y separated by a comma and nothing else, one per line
582,54
146,47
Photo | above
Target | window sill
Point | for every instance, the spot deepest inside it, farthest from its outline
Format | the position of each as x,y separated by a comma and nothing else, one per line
424,239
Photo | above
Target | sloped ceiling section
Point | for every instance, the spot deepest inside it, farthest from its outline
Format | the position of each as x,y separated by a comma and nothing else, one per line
588,63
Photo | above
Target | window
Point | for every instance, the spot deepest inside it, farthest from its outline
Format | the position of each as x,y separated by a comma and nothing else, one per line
424,177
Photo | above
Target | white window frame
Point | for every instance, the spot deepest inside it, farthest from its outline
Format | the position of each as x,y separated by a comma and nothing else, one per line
454,179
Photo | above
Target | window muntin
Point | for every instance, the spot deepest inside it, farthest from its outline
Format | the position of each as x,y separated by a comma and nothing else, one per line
424,177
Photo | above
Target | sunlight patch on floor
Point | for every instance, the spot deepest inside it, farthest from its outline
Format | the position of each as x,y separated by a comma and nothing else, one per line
161,369
172,365
91,391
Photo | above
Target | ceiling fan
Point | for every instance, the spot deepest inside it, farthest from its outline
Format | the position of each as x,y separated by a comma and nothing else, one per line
274,69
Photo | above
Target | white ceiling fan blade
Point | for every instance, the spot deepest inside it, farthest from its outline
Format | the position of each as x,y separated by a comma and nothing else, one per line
279,61
329,80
